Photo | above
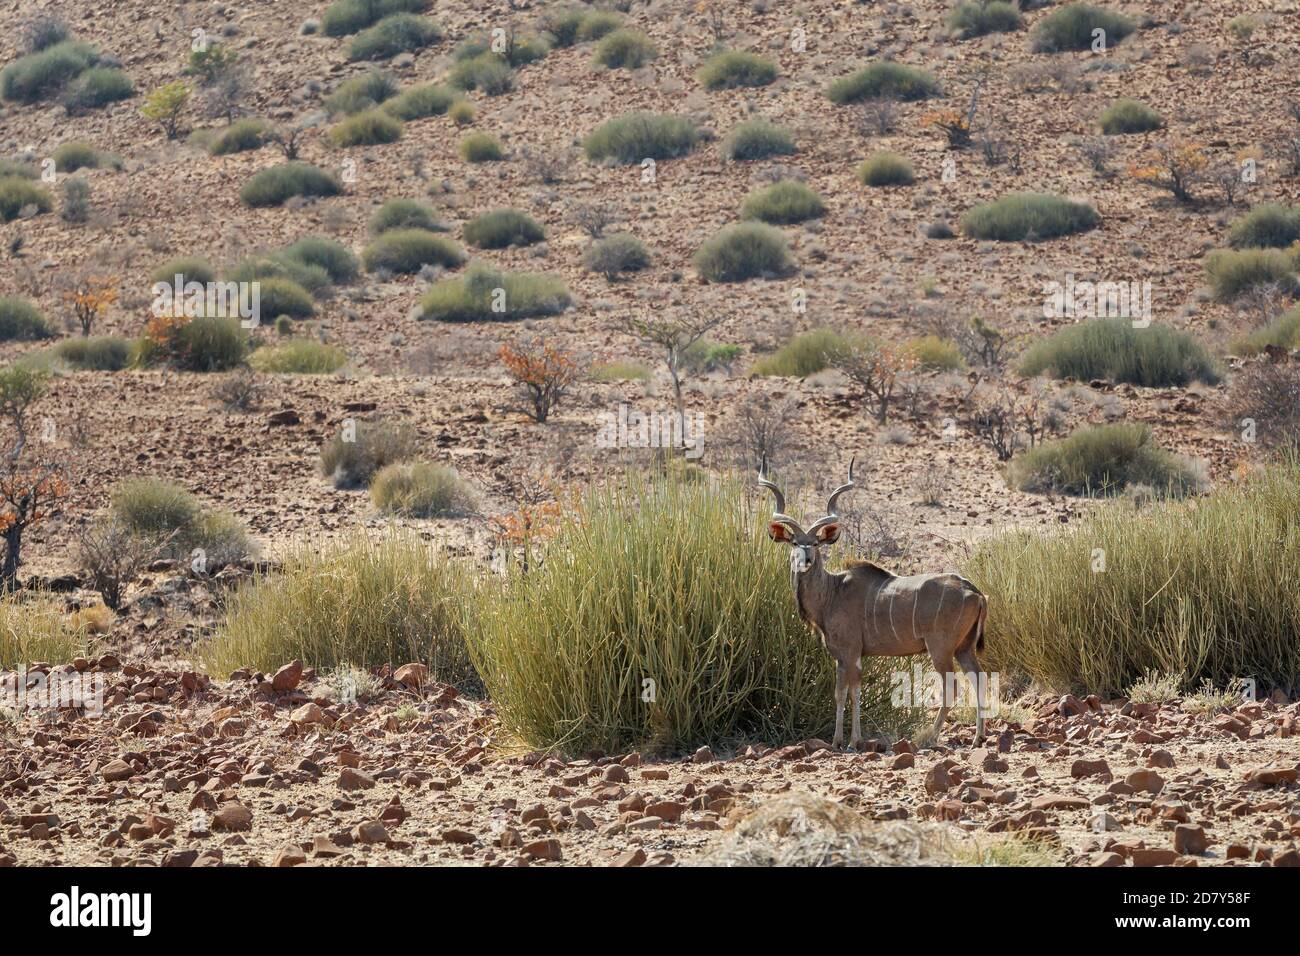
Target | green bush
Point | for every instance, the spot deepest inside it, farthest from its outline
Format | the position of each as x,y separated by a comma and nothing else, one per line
352,602
98,353
886,169
461,112
936,354
619,372
350,461
1102,461
733,68
1129,116
1024,215
398,33
189,268
977,19
1235,272
639,136
804,355
17,194
480,148
97,87
419,102
280,295
420,490
316,251
404,214
598,24
884,80
625,49
743,251
17,169
1071,27
210,345
407,251
367,129
502,228
565,647
1195,592
616,253
1267,226
75,154
483,294
361,93
299,357
239,137
1283,332
312,279
37,75
22,321
758,139
521,51
487,72
783,203
1156,356
705,355
351,16
155,509
276,184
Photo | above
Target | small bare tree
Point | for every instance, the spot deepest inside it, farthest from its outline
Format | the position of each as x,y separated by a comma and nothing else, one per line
877,116
761,430
674,336
593,218
113,556
32,473
876,369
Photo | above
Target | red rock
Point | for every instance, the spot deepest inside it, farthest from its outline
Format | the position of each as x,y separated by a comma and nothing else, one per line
1153,857
1272,776
544,850
1147,780
1190,839
1290,857
1106,858
616,773
938,779
352,779
232,816
630,858
1088,768
462,837
307,714
116,770
703,755
1059,802
669,810
287,677
412,675
372,831
903,761
290,855
1160,758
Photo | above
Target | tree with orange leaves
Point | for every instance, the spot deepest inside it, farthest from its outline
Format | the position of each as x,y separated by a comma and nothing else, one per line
90,297
1177,166
30,483
876,369
536,515
542,374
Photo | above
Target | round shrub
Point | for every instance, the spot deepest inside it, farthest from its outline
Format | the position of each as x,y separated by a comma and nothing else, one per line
485,295
419,102
461,113
743,251
625,49
1071,28
351,463
419,490
733,68
73,155
189,268
96,87
16,169
399,33
361,93
155,509
277,266
1129,116
487,72
1236,272
616,253
239,137
1267,226
96,353
977,19
884,80
282,296
480,148
783,203
1103,461
407,251
502,228
1113,350
936,354
275,185
404,214
1023,215
367,129
22,321
886,169
758,139
36,75
299,357
598,24
346,17
18,194
316,251
640,136
805,354
210,345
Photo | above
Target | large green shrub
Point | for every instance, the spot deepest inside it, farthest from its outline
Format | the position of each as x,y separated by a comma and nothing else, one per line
407,251
1129,116
22,321
37,75
805,354
239,137
885,79
640,136
96,87
743,251
1104,460
502,228
886,169
210,344
1019,216
351,16
299,357
17,194
616,253
981,17
1156,356
280,295
316,251
481,148
276,184
398,33
420,490
1194,592
189,268
350,460
1071,28
361,93
733,68
419,102
404,214
163,511
625,49
368,128
96,353
489,73
1236,272
1266,226
788,201
486,295
758,139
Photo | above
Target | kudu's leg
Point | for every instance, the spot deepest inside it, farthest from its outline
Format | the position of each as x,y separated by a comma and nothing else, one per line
841,688
970,666
943,665
855,697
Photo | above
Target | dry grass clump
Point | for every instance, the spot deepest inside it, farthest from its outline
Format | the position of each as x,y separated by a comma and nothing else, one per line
35,628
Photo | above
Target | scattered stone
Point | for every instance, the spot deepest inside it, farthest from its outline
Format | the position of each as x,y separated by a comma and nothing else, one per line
353,779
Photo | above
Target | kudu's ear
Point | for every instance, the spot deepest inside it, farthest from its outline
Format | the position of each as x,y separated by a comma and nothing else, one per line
779,532
828,534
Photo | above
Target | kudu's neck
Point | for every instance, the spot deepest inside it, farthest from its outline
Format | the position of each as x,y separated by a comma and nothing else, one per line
812,590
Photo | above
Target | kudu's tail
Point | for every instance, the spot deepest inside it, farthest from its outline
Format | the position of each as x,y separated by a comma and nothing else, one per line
979,625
